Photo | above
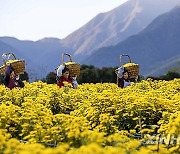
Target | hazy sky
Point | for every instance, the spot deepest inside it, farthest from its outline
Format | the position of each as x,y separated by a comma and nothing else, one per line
36,19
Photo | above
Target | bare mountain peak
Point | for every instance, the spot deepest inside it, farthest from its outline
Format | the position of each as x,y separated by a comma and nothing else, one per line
156,48
131,16
114,26
178,5
49,40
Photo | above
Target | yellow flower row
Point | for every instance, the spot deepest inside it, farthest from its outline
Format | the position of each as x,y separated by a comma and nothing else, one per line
94,116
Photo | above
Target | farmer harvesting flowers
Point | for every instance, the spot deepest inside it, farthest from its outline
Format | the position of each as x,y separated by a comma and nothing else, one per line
64,79
123,79
67,73
11,69
11,79
126,73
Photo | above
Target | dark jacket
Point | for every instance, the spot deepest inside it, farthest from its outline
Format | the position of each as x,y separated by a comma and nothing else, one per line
120,81
11,82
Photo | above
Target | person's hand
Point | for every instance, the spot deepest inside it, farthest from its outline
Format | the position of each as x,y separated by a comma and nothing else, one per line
136,78
74,77
116,71
4,56
17,77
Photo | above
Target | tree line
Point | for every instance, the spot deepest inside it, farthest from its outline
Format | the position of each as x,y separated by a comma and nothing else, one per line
89,74
92,74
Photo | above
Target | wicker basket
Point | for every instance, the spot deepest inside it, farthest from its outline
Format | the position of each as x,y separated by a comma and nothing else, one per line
74,68
18,65
132,68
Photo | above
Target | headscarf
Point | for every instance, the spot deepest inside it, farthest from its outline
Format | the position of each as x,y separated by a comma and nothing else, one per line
59,70
120,72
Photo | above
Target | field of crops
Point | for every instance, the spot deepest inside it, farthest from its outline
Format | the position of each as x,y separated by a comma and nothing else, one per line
95,118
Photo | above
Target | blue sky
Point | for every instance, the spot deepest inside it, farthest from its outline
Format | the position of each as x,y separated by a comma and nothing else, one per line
36,19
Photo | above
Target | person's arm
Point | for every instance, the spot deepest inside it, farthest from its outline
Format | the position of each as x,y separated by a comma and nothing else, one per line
60,82
21,84
120,82
74,82
8,71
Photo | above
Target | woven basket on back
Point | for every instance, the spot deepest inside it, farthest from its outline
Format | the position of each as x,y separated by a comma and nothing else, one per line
18,65
74,68
132,68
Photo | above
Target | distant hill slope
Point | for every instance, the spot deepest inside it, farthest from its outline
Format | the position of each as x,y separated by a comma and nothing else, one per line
116,25
31,67
5,48
158,42
41,56
171,64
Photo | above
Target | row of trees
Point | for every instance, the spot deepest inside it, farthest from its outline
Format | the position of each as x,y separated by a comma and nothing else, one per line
168,76
91,74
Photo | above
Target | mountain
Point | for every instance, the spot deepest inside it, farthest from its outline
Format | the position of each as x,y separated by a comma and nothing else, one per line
105,29
152,48
31,68
116,25
5,48
171,64
41,56
32,49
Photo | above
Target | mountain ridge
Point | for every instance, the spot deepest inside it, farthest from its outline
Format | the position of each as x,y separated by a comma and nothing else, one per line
102,31
157,42
116,25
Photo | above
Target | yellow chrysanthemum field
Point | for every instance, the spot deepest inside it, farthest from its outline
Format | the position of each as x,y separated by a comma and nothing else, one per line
95,118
